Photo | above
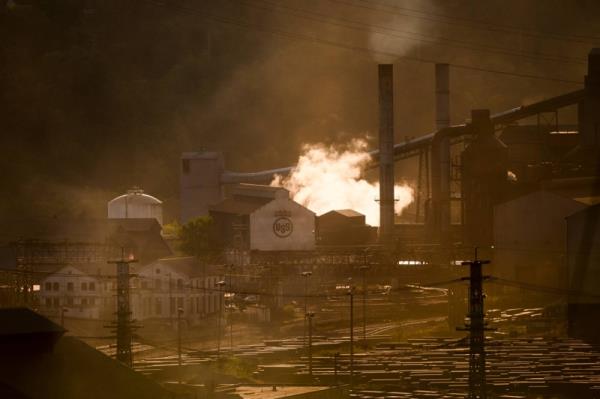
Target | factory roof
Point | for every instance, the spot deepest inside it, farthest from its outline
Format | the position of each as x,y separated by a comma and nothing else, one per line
239,206
185,265
258,191
136,196
349,213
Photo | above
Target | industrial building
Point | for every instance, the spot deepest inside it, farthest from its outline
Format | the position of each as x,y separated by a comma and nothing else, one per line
530,238
263,218
344,227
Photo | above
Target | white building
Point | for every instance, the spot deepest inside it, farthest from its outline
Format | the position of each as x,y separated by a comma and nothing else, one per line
166,285
78,291
158,289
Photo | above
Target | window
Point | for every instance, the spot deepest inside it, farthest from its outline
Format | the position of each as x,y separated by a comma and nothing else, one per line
185,166
92,286
157,284
48,286
70,301
157,271
83,286
48,301
179,303
92,301
171,305
70,286
84,301
144,285
55,286
56,302
179,284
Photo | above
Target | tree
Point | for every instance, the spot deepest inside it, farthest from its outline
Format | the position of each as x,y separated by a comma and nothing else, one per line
198,239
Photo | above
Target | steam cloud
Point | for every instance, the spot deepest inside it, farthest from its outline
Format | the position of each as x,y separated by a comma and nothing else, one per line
327,178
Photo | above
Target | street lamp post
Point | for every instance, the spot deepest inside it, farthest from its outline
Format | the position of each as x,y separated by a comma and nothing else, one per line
179,314
364,269
310,316
350,292
171,301
230,309
335,366
219,284
306,275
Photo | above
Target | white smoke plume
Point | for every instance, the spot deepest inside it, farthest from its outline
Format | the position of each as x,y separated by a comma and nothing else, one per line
327,178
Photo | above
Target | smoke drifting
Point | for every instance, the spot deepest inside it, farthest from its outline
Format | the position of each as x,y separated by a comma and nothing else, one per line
327,178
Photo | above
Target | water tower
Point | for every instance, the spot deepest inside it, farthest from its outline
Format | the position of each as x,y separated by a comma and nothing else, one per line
135,205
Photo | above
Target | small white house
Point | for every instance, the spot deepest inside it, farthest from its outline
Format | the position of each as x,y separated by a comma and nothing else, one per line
166,285
75,290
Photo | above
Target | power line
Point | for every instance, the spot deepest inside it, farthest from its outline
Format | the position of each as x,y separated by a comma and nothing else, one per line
313,39
402,34
541,288
469,23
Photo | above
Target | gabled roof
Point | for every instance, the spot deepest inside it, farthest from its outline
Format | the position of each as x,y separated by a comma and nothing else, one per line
186,265
349,213
239,206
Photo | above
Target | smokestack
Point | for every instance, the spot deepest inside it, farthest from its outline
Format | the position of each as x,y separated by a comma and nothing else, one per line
442,96
386,153
442,120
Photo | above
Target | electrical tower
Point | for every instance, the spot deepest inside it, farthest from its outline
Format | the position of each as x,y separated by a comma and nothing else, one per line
476,328
125,325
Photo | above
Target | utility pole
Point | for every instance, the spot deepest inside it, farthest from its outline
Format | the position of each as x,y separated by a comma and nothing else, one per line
476,328
219,284
305,275
310,316
179,314
124,323
351,294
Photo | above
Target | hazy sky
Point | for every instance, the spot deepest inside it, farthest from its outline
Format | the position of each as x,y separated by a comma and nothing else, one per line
98,96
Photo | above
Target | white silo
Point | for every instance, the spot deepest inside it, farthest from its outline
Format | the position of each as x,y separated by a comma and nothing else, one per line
135,205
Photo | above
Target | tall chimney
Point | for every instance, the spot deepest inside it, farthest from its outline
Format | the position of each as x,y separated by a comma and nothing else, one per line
442,121
386,154
442,96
